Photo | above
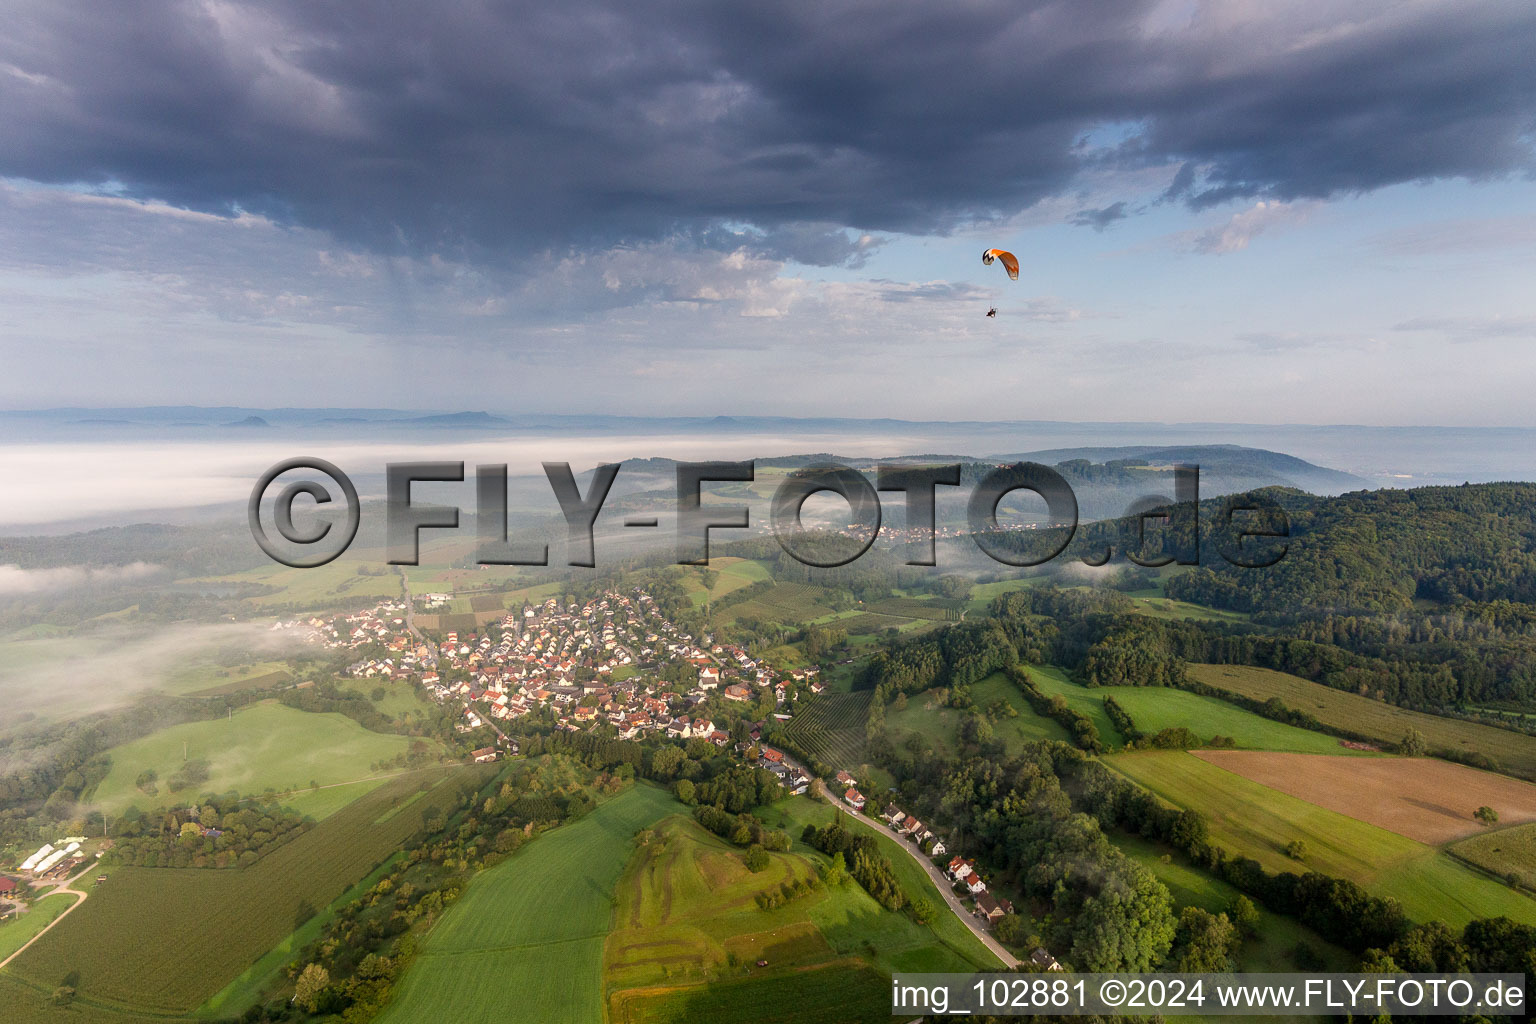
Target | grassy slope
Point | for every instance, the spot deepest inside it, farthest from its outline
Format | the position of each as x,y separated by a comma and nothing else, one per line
525,940
1386,723
1259,822
261,746
686,915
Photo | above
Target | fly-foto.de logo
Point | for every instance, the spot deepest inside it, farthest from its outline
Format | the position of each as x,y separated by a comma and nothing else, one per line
1247,530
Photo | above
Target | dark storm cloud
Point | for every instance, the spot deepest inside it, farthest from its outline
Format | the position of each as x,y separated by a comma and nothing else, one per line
507,128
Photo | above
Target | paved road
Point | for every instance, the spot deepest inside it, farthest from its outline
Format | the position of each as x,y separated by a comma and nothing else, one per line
944,885
63,887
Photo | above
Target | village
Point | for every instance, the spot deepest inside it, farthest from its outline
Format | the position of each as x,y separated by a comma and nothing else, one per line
616,661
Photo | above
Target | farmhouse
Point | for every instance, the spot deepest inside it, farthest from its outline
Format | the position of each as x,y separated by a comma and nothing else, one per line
485,754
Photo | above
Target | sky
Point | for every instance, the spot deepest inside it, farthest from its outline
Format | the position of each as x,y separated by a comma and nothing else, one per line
1279,211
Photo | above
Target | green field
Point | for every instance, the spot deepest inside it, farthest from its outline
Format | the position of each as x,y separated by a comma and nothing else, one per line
18,931
1167,608
1053,681
1505,853
1154,708
831,729
1258,822
525,941
827,995
265,745
731,574
167,939
687,916
1273,946
939,725
1381,722
402,699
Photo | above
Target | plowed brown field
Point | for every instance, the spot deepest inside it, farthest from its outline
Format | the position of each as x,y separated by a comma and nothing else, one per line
1418,797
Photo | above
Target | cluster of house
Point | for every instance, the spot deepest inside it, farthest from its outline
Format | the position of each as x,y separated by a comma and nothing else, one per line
791,776
904,824
582,661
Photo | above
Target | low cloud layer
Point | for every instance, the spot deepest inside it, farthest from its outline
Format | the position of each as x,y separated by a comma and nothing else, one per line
15,580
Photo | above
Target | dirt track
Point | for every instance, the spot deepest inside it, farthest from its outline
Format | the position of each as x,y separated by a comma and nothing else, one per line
1418,797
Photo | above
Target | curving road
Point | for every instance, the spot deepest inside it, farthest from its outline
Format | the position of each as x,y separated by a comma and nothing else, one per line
944,885
64,888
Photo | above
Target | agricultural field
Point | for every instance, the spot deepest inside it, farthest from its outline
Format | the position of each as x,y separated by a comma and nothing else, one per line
785,602
1384,723
264,746
1274,944
831,729
1418,797
919,608
525,941
1154,708
686,915
827,995
164,940
1508,853
26,1004
1256,821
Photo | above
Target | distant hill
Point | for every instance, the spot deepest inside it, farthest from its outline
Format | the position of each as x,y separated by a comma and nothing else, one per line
250,421
457,419
1105,481
1227,466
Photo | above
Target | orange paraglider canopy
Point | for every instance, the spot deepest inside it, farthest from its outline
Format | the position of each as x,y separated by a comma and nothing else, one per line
1010,261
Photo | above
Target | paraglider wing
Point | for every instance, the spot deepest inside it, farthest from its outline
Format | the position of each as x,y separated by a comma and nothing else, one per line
1010,261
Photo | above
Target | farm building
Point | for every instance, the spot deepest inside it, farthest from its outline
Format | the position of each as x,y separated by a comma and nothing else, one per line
485,754
32,861
7,885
